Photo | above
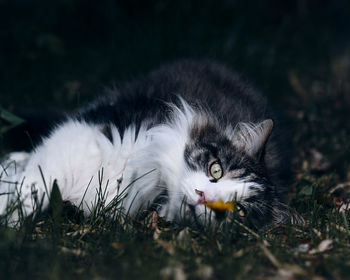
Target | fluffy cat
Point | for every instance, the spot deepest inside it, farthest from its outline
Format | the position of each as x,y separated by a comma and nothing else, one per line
188,133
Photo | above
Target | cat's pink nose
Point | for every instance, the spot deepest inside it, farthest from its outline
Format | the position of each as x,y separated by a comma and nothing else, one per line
201,199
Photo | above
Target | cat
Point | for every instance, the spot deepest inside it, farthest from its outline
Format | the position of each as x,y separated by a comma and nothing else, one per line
188,133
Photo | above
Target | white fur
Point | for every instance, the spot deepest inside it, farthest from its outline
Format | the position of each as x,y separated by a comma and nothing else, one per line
77,154
82,160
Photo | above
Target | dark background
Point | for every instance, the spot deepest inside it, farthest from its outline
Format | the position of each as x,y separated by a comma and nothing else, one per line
59,54
56,55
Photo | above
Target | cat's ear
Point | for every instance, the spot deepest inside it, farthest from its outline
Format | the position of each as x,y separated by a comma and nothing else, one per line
252,138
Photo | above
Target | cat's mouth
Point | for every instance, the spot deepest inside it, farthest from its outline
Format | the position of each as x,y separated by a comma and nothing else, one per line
206,212
221,208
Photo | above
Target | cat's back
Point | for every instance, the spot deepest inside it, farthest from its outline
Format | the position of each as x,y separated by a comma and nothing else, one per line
201,83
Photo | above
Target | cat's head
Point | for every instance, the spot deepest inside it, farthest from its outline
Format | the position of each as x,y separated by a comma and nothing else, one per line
225,164
204,160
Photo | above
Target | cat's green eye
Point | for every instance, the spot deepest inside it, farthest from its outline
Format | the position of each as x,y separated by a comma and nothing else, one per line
215,170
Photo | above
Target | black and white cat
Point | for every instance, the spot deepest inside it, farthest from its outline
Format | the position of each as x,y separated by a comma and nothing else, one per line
192,132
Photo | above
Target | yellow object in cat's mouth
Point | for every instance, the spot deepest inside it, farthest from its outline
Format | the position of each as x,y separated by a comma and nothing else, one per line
220,205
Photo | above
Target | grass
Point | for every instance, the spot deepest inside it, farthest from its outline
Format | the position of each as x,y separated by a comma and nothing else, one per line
297,52
61,243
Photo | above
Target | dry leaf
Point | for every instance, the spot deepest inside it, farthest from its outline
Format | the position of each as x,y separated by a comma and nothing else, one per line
175,272
205,272
318,162
238,254
323,246
75,252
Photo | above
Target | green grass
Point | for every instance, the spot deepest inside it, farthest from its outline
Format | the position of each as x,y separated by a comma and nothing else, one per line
61,53
60,243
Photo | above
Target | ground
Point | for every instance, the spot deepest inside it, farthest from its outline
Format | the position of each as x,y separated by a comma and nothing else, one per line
59,55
